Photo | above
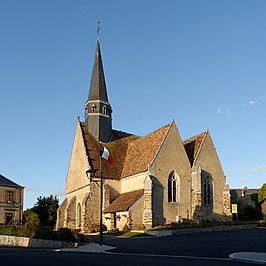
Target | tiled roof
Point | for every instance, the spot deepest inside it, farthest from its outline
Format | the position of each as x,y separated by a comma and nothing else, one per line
117,148
141,151
192,146
124,201
131,154
8,183
118,134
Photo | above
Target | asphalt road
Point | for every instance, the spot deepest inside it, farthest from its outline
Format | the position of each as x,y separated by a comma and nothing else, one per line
18,257
196,249
212,244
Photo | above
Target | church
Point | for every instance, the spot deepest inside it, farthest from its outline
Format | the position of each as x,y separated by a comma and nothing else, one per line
153,179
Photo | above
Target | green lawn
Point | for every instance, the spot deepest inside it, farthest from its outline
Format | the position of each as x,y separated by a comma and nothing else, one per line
128,234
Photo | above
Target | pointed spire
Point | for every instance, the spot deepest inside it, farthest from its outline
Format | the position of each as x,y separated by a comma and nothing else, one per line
98,87
98,111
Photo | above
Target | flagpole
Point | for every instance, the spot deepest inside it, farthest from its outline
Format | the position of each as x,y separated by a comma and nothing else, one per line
101,204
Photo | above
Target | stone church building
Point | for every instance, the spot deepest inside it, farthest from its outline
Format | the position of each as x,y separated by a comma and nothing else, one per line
154,179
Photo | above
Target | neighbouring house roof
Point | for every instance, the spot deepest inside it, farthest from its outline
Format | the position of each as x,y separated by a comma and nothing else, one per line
124,201
192,146
8,183
242,192
131,154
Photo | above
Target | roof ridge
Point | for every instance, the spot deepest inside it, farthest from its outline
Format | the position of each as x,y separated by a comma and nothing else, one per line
160,128
85,130
4,181
199,150
195,136
149,134
140,152
159,148
193,146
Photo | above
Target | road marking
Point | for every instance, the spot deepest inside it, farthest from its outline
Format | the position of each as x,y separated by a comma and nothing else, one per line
166,256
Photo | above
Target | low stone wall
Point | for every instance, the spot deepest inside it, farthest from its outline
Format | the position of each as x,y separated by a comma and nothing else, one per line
162,233
13,241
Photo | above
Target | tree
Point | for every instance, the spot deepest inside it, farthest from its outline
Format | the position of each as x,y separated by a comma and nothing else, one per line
262,193
46,209
32,217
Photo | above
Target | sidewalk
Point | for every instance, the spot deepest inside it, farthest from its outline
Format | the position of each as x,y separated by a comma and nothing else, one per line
248,257
91,247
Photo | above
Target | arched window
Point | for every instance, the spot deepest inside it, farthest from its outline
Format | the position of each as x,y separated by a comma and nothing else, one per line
104,110
207,191
93,108
172,187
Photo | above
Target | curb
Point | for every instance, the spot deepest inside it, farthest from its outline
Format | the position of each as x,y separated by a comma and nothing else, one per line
249,257
163,233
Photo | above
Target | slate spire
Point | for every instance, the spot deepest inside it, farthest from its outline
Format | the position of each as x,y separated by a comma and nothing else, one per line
98,87
98,111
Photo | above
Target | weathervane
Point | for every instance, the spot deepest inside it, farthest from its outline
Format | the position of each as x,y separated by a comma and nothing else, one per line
98,28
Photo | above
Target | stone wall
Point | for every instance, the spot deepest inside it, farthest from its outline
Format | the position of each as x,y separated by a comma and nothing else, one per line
208,161
13,241
61,211
91,207
123,221
78,165
196,199
196,206
147,205
71,214
227,202
135,218
170,157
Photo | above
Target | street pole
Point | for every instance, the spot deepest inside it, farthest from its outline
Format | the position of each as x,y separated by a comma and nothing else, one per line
101,204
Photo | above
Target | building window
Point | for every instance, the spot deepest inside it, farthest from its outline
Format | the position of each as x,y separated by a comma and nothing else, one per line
207,191
10,196
172,187
93,108
8,218
104,110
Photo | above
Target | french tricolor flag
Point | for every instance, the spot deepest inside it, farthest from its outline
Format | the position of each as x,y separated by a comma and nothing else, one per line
104,153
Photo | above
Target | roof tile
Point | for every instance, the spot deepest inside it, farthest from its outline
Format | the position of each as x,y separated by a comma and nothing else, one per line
192,146
124,201
131,154
141,152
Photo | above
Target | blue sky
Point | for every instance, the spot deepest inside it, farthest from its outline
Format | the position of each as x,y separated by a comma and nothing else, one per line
199,62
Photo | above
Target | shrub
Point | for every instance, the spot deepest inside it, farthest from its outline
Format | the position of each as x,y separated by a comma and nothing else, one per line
249,213
94,228
63,234
17,230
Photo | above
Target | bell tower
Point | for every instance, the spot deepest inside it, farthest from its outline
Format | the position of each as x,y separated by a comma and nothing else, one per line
98,111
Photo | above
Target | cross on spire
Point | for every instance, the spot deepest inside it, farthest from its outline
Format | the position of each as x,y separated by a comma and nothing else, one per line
98,28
